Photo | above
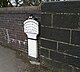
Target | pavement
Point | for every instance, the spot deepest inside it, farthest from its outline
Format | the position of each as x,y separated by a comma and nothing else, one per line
12,61
9,62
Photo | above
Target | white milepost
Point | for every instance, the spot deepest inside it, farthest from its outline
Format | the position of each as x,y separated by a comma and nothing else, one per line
31,28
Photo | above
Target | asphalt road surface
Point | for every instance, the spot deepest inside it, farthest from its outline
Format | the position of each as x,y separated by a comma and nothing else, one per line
11,62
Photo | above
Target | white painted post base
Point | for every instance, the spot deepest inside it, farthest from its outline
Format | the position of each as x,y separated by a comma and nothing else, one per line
32,51
34,62
32,48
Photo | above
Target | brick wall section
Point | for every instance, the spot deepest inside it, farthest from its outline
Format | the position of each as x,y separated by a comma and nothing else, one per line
11,26
60,36
60,33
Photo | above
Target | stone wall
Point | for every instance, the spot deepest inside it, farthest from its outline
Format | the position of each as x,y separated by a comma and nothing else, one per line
60,36
59,33
11,26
